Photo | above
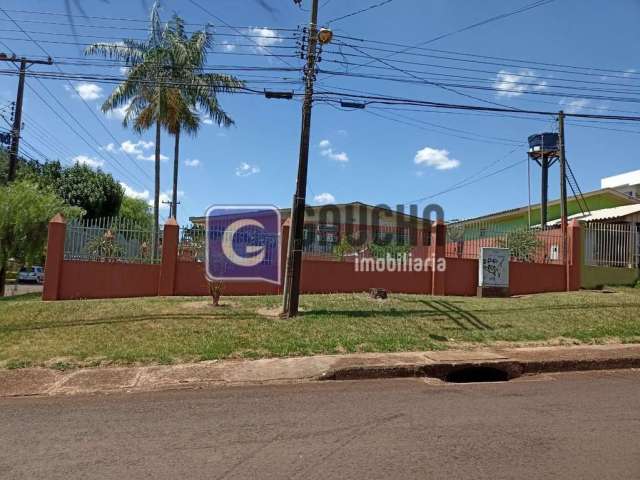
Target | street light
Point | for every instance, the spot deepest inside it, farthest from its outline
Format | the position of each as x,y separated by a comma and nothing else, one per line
325,36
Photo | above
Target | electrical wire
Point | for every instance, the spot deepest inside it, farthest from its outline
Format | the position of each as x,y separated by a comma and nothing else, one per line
494,18
358,12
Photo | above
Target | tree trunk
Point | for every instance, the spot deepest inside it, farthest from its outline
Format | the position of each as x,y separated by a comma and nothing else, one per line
156,195
176,162
3,277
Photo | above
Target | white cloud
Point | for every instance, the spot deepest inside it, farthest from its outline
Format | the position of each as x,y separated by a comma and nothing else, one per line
136,148
436,158
207,121
118,113
124,70
228,47
110,147
337,156
193,162
264,37
574,106
324,198
166,197
244,170
88,161
152,157
343,132
510,84
327,151
130,192
87,91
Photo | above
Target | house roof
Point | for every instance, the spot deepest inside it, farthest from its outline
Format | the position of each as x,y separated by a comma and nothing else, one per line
523,210
603,214
286,212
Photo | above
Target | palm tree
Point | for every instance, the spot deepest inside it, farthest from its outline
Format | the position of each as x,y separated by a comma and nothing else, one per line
142,93
195,90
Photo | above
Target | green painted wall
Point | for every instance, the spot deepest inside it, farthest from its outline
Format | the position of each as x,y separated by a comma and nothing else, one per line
594,277
520,220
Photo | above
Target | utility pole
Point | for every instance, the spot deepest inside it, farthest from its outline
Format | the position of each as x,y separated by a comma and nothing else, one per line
173,207
17,118
294,252
563,194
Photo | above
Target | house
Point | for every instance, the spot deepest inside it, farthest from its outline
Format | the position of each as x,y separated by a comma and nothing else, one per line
610,218
627,183
326,225
516,218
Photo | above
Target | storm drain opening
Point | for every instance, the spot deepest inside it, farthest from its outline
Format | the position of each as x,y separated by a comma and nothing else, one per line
477,374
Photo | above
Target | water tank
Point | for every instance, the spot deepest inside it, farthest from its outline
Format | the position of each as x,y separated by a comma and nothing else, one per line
543,144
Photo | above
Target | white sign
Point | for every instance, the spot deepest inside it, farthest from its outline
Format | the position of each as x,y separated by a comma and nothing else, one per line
494,267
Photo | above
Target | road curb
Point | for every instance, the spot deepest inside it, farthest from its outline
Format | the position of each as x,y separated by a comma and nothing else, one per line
511,368
497,364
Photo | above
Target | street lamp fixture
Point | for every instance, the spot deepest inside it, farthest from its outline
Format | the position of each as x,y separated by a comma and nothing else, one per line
325,36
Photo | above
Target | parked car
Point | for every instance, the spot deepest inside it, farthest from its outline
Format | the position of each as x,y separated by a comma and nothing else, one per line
31,274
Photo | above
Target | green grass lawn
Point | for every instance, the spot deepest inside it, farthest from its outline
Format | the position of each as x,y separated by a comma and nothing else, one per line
167,330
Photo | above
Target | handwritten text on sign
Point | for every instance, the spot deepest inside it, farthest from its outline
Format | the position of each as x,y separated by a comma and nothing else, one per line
494,267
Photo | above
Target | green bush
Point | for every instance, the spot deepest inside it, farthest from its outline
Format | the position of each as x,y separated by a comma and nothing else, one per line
523,244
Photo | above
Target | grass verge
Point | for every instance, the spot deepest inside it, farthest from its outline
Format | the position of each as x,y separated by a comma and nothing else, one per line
169,330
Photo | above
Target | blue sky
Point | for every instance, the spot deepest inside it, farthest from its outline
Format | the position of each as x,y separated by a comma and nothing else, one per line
355,155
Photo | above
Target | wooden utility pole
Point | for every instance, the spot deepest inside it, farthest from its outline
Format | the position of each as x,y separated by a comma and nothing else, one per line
17,117
172,207
563,195
294,255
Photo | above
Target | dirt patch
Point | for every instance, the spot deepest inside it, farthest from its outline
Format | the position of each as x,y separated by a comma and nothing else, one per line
274,312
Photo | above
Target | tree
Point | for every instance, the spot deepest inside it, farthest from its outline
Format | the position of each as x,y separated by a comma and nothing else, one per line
143,92
136,211
192,88
25,211
96,192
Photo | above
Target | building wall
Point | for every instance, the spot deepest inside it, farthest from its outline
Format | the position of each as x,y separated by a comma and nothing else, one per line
521,219
596,277
80,279
71,279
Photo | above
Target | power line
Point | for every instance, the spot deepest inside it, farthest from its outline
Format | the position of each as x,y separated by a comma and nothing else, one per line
454,86
370,99
522,72
106,37
386,100
482,140
494,18
122,19
470,182
444,87
115,79
263,47
362,10
89,144
624,74
79,96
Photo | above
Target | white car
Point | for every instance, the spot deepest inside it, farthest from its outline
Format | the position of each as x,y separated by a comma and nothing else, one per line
31,274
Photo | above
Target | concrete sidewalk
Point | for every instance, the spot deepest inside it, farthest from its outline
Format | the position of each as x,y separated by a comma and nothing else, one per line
512,361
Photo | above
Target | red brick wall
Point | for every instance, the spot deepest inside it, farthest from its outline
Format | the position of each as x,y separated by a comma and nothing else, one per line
107,280
79,279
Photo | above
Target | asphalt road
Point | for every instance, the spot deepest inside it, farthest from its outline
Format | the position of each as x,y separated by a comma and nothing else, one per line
574,426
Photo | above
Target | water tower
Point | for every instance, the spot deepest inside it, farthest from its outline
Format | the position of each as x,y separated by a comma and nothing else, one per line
544,148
